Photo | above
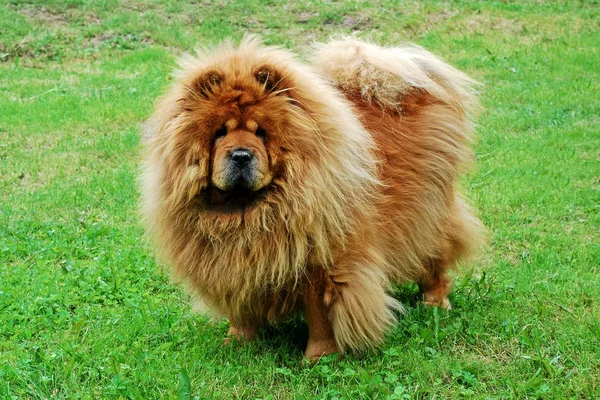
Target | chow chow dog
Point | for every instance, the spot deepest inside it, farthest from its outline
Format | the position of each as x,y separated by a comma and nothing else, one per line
274,186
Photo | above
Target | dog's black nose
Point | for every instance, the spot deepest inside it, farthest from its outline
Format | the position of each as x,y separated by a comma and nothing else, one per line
241,157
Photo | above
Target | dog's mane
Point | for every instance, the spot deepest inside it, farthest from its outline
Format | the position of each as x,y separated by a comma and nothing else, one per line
307,218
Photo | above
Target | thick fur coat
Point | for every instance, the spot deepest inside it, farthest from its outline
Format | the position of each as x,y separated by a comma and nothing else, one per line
273,187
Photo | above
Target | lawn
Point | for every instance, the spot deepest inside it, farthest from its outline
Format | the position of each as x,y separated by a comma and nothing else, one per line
85,311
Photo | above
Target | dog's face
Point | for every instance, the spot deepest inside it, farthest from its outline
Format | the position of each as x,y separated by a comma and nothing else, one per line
240,159
241,148
234,128
250,136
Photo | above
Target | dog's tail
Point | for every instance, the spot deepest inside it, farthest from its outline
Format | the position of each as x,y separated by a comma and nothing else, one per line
388,76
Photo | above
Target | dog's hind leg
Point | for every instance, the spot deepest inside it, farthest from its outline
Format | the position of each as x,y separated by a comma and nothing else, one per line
435,287
463,236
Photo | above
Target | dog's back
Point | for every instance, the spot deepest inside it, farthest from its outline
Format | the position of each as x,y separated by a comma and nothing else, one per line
419,111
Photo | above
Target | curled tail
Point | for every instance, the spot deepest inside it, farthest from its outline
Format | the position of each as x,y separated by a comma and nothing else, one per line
385,76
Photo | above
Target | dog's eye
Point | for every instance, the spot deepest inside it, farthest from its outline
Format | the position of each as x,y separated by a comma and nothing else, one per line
261,133
208,83
267,77
222,131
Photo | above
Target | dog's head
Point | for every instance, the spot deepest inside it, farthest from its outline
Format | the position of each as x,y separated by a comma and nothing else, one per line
232,124
249,127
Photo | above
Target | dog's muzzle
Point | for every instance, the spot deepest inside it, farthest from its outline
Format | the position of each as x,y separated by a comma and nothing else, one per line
241,169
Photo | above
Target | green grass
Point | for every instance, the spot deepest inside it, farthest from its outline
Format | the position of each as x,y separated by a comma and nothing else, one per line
85,312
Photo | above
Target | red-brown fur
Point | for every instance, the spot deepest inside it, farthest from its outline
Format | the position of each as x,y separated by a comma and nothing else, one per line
355,188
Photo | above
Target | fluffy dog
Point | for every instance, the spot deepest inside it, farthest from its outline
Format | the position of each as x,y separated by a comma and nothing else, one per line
272,187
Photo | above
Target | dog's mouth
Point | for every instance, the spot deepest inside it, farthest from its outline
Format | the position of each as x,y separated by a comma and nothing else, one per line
235,200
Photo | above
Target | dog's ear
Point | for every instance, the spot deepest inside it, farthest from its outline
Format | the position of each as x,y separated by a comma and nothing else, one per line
268,77
208,82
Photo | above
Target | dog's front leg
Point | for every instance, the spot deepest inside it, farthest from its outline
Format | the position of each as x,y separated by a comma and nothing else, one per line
240,331
321,340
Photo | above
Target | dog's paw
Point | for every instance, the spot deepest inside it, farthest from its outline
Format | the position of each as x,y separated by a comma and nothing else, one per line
435,302
317,349
240,334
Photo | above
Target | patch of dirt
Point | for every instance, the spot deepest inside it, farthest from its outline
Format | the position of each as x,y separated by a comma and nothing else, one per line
439,17
357,23
116,40
49,18
485,23
306,16
354,22
88,18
